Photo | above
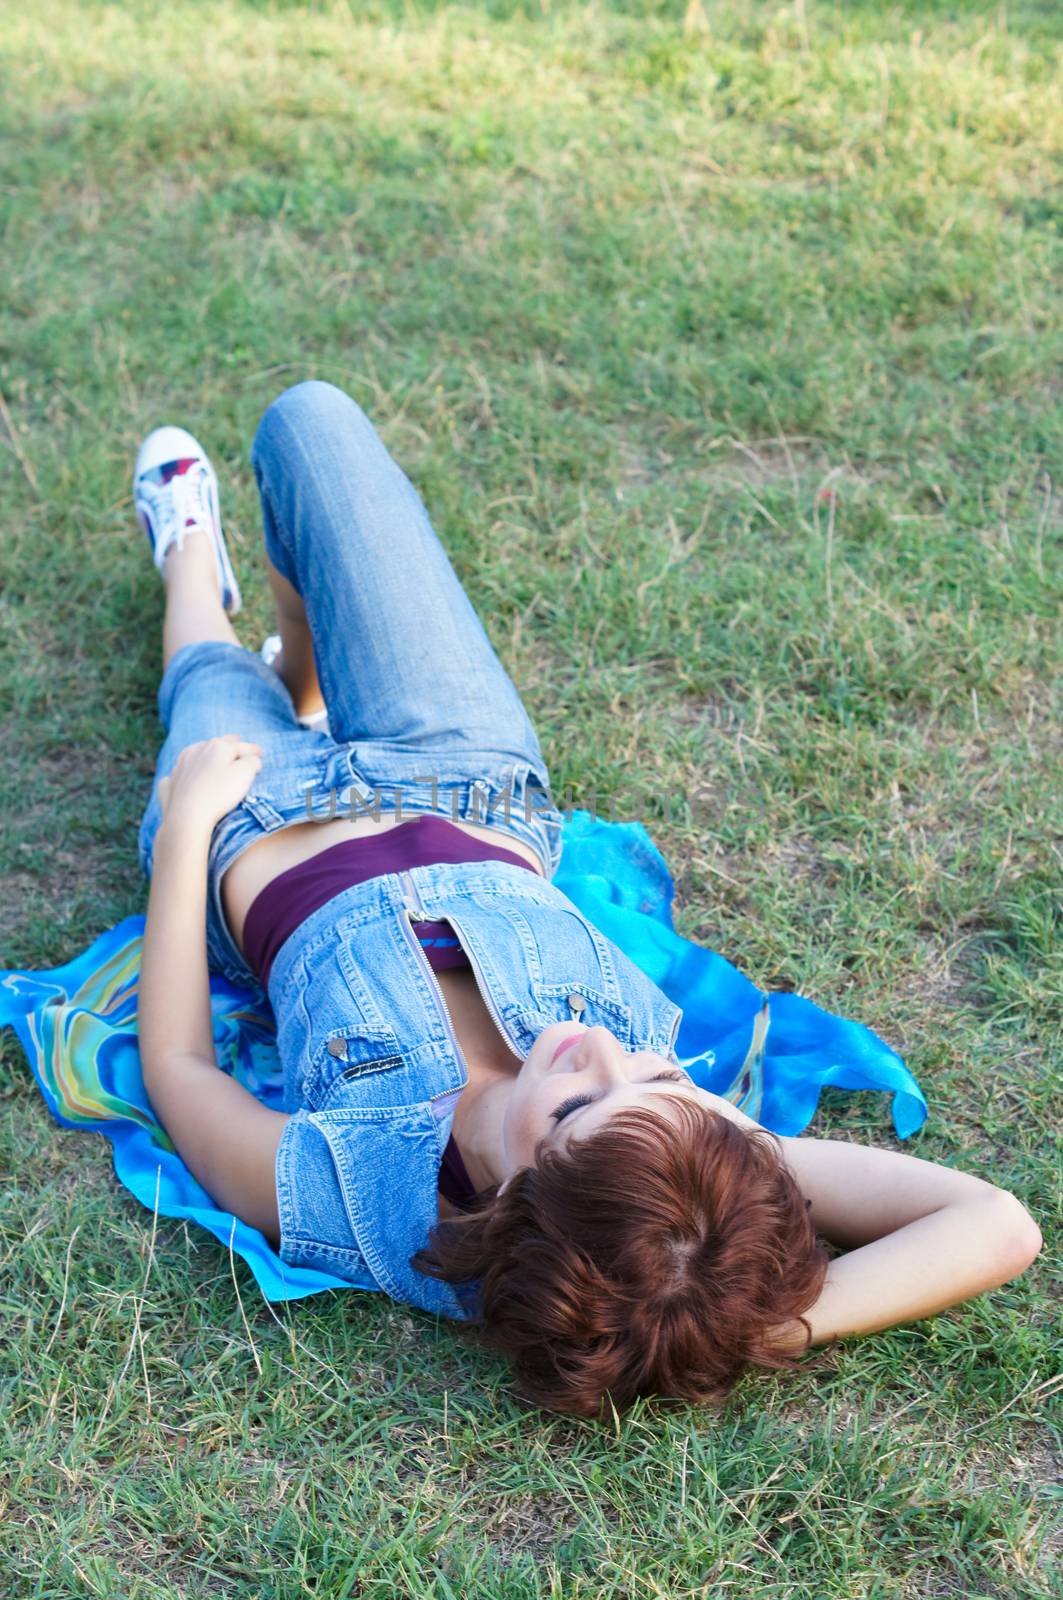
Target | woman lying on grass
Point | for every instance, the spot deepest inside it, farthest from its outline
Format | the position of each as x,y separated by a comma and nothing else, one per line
485,1113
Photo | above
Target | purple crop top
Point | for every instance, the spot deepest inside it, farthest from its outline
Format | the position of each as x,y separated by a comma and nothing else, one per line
292,896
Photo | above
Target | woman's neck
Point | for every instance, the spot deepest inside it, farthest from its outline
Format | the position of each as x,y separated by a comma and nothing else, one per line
478,1126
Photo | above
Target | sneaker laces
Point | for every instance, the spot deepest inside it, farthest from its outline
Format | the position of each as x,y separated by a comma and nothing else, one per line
186,509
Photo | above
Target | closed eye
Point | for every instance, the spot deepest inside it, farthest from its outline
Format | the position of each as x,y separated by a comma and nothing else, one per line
576,1101
566,1107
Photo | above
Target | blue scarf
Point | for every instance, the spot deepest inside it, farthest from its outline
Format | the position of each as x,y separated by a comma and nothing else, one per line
770,1054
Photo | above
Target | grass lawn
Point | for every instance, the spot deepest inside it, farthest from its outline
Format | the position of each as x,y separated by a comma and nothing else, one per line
727,359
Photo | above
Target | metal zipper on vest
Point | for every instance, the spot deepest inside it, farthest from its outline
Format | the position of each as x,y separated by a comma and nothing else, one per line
485,993
413,912
413,906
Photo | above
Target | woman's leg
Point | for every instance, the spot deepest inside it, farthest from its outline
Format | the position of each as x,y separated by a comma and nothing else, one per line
211,685
295,664
400,653
194,612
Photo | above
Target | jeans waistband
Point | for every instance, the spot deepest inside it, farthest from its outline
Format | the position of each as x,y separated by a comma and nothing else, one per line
520,809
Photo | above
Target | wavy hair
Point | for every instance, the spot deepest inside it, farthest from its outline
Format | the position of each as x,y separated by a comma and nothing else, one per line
654,1257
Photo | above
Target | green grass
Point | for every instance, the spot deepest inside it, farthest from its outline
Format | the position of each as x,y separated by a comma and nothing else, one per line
628,300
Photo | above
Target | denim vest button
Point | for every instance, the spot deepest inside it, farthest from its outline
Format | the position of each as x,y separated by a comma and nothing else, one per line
576,1004
337,1047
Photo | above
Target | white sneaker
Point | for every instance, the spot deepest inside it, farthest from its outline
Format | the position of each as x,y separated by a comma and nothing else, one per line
175,492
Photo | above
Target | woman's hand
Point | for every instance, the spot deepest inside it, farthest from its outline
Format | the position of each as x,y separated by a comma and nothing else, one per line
208,780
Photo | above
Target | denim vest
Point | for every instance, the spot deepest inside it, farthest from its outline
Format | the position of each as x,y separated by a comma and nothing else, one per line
372,1066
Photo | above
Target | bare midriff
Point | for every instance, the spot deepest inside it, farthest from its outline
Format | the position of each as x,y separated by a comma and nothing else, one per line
267,858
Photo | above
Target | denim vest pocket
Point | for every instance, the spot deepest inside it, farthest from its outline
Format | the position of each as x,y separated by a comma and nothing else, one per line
558,942
350,1038
346,1059
561,1002
374,1022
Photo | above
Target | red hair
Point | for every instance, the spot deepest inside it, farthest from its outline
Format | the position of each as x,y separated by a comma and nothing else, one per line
654,1257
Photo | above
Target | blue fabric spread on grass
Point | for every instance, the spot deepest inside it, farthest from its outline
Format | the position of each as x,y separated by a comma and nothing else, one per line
769,1054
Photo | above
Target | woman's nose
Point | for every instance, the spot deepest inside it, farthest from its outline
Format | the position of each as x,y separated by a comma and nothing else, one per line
604,1056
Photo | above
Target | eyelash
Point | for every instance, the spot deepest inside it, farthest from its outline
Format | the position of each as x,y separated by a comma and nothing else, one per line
566,1107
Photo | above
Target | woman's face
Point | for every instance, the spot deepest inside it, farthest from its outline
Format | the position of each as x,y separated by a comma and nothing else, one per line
572,1082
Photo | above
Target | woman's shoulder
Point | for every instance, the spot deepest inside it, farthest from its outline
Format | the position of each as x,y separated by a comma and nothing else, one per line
357,1195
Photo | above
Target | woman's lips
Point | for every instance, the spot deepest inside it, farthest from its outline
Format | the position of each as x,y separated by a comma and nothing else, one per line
572,1039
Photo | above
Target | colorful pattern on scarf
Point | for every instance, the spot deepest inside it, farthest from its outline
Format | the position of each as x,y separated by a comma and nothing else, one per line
770,1054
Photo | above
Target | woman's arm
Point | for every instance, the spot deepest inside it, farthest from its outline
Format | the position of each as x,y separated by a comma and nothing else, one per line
226,1137
920,1237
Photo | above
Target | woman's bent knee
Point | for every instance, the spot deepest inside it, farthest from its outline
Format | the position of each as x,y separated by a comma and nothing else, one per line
313,406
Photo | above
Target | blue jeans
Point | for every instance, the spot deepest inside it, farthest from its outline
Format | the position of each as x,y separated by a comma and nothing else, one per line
422,715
